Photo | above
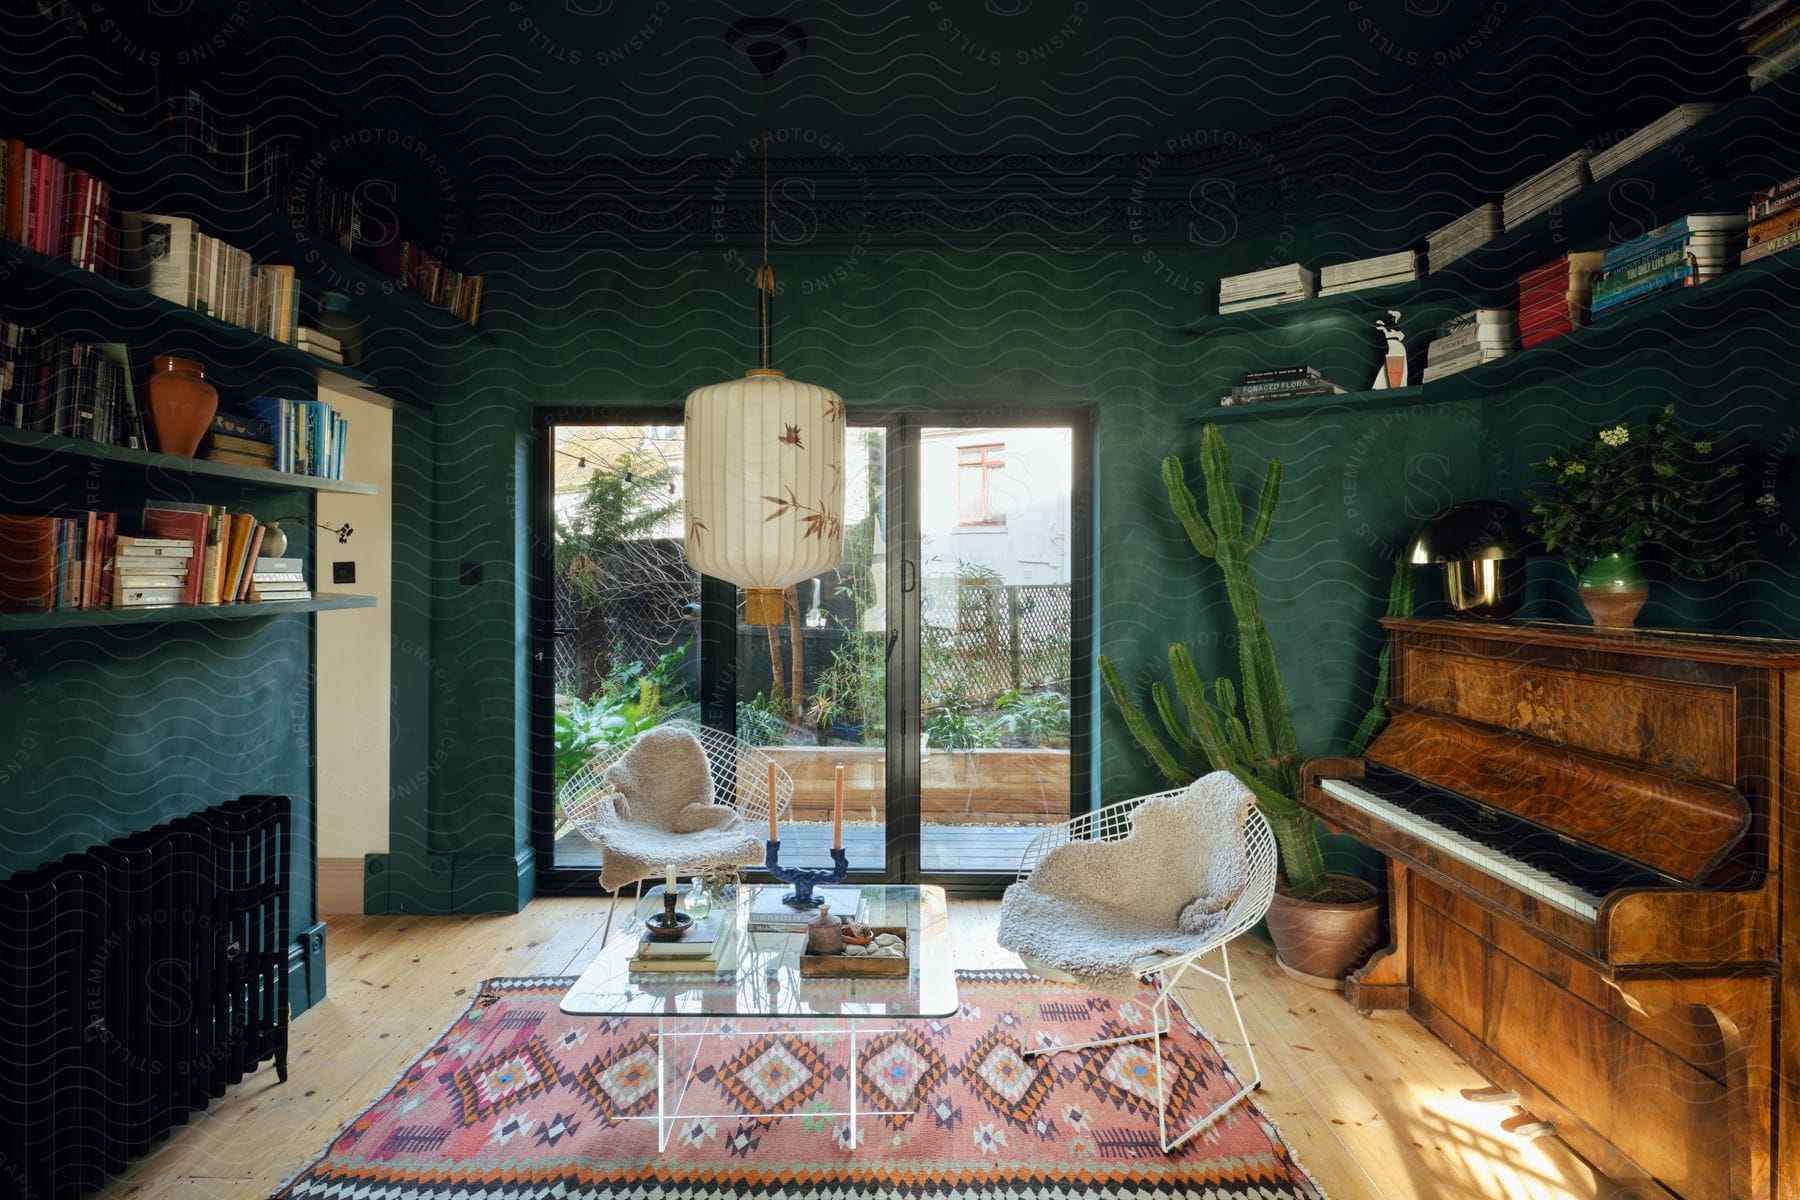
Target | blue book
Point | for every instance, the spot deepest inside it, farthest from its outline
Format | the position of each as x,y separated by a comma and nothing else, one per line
1656,239
1675,277
273,412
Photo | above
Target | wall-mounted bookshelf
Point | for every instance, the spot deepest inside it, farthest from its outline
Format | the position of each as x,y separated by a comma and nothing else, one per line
51,294
1706,164
1654,326
16,443
146,174
103,618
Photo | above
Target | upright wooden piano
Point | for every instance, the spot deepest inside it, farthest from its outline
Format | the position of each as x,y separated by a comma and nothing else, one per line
1593,845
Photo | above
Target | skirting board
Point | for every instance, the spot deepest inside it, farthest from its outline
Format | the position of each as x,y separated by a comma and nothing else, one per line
340,886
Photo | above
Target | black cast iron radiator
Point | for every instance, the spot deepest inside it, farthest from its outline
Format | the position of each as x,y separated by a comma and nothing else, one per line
142,978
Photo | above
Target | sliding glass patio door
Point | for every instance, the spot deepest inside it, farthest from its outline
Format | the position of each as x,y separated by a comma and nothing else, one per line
934,664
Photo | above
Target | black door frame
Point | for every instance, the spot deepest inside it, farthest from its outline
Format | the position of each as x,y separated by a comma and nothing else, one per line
718,638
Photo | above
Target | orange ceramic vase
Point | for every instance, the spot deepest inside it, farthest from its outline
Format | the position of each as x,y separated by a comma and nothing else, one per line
180,403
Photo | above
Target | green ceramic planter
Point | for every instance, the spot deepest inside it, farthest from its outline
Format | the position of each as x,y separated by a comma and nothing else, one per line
1614,589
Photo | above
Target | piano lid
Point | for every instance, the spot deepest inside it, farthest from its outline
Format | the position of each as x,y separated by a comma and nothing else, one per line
1679,826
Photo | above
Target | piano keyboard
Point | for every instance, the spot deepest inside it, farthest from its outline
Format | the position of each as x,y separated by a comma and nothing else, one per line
1527,878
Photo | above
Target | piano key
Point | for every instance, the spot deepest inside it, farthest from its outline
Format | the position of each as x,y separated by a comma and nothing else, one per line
1535,881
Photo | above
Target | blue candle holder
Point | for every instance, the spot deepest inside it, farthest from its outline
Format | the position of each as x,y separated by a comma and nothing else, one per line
804,879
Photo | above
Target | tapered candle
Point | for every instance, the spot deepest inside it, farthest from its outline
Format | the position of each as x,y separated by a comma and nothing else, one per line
837,812
774,833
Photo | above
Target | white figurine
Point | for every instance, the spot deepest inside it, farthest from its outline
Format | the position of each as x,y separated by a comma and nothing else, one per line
1392,372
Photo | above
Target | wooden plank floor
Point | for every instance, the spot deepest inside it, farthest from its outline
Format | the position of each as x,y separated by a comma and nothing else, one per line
1371,1107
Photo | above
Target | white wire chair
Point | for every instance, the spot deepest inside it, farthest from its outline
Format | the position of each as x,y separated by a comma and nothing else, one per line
1113,823
740,779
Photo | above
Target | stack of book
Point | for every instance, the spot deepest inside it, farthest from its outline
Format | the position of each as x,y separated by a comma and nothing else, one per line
1477,227
1470,340
706,950
1545,190
1369,273
54,209
1279,383
320,345
171,258
58,385
1554,298
1687,251
1771,36
1774,221
309,436
275,579
1677,120
241,441
1261,289
150,571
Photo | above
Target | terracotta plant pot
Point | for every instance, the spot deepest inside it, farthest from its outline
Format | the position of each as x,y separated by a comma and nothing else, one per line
1324,940
1614,590
180,404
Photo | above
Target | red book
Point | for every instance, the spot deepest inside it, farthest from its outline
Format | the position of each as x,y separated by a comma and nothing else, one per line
1550,271
27,563
174,523
109,549
1551,308
17,178
1548,333
249,573
34,203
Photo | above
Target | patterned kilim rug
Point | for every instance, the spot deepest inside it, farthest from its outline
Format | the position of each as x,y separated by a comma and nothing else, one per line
518,1102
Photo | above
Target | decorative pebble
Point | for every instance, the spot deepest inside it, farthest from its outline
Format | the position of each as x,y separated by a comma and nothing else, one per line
886,939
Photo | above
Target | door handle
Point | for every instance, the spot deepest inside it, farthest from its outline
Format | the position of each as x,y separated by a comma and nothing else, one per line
893,637
909,575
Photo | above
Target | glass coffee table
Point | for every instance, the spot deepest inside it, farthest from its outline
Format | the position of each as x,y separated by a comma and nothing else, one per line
758,989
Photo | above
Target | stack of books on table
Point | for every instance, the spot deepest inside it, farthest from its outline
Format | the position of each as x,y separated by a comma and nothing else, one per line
707,948
1279,383
277,579
1676,121
1477,227
1369,273
1687,251
1774,221
1545,190
1470,340
241,441
1771,35
1554,298
320,345
1262,289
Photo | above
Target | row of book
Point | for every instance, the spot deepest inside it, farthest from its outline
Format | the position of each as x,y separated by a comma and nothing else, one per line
59,385
431,278
170,257
1279,383
54,209
301,437
1771,36
1683,253
186,554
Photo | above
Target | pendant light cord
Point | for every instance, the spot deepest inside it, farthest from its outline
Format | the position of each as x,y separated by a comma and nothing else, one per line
765,274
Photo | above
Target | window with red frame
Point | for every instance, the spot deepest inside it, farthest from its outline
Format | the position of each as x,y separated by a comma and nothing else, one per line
976,500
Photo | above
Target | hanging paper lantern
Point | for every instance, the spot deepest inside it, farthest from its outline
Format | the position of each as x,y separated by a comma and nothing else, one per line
764,485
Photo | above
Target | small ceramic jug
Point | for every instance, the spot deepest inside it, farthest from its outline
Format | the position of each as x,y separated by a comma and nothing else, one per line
826,933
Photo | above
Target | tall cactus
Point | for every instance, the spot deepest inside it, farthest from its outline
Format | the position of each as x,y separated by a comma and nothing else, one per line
1249,734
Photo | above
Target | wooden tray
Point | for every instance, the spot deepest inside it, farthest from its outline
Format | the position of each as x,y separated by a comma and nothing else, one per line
846,966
